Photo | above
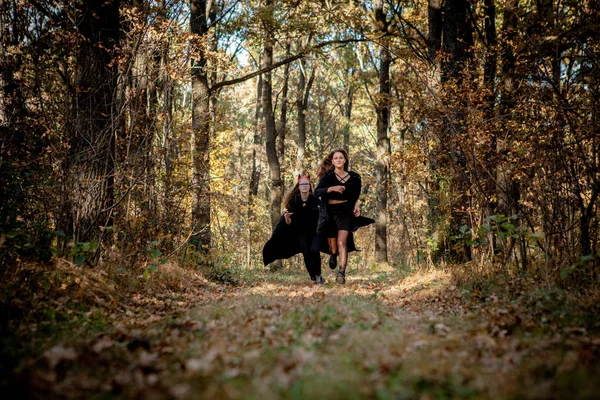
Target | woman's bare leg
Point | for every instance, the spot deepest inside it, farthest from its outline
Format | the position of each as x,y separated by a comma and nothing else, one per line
333,245
342,249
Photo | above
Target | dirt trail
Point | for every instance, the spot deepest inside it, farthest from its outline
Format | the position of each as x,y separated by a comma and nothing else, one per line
381,335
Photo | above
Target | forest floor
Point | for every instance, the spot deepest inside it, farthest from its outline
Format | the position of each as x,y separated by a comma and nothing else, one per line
393,334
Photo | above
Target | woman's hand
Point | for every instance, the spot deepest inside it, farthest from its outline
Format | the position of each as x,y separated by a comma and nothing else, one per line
287,216
338,189
356,211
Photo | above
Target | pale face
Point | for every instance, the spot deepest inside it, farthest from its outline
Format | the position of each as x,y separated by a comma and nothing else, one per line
304,185
338,160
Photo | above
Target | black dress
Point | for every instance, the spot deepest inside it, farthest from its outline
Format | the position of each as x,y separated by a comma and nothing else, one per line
326,226
297,237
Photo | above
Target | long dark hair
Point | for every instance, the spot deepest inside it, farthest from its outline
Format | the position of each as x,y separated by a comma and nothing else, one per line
296,189
327,164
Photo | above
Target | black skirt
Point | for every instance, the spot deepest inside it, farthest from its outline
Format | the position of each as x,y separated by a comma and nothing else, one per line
340,217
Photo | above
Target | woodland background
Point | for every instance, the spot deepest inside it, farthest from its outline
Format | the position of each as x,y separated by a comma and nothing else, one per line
135,125
145,147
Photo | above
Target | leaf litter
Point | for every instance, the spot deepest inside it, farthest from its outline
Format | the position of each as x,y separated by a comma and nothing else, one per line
386,335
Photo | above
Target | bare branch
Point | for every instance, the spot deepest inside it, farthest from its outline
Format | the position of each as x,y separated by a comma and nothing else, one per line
283,62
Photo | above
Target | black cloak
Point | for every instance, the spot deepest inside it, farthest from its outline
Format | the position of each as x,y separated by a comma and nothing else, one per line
283,242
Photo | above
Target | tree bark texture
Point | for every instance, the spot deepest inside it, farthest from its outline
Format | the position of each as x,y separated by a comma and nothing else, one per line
271,130
491,59
201,126
282,126
301,107
457,41
383,141
256,141
457,38
348,112
505,190
91,158
434,39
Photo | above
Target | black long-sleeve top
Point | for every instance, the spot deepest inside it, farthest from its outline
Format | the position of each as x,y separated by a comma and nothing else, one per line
305,214
350,193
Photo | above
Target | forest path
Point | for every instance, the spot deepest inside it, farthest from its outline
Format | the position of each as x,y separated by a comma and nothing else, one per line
382,335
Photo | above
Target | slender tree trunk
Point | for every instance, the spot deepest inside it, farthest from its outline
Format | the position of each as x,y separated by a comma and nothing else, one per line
256,141
164,93
491,59
383,140
434,44
282,128
505,187
201,127
348,111
587,215
489,82
91,158
254,173
271,132
301,106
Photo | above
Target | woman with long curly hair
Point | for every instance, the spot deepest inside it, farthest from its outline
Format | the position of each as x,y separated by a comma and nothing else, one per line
339,190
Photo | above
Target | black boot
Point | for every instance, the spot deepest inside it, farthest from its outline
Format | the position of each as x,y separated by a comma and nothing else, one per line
333,261
319,280
341,277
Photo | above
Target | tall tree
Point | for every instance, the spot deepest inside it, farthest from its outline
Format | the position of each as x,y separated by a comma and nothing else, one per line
383,141
201,123
457,43
283,122
256,140
269,115
491,59
141,108
435,26
302,96
254,171
165,92
89,183
348,103
507,190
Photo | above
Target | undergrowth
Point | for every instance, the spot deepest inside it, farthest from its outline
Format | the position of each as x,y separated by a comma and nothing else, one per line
542,303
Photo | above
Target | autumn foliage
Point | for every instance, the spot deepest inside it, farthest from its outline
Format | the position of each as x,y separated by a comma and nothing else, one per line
145,147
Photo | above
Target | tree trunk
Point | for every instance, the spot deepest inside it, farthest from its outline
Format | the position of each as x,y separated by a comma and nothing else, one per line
282,128
457,38
90,165
301,106
201,125
254,173
491,59
434,44
164,91
435,24
457,42
348,111
140,106
271,132
489,82
506,201
383,140
256,141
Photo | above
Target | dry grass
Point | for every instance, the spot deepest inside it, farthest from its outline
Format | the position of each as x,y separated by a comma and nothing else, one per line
426,333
